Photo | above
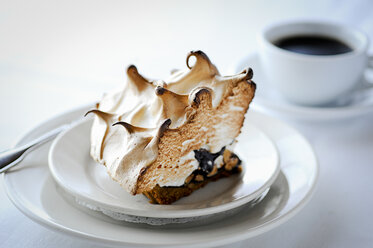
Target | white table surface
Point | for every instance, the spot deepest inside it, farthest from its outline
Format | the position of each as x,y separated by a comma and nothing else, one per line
55,56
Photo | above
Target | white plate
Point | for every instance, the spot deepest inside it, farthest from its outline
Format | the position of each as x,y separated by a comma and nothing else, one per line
78,174
269,101
32,189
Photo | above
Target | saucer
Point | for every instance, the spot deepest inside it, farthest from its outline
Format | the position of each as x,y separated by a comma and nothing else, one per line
78,174
33,191
269,101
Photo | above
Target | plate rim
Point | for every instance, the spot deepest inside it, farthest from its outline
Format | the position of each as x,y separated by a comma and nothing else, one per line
301,112
50,224
166,214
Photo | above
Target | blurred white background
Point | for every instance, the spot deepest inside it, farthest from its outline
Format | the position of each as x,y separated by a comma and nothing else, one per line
56,55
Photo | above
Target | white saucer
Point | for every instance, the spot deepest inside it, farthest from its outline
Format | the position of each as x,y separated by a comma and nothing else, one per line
78,174
269,101
32,189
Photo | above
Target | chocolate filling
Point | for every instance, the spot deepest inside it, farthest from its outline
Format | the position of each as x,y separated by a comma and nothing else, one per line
206,159
207,172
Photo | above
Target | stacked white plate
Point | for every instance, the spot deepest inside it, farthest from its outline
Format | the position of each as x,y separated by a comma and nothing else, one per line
80,176
75,194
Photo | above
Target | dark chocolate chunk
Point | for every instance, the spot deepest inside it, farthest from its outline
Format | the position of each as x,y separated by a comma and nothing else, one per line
206,159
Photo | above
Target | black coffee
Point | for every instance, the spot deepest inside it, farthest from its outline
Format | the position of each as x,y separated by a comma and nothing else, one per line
313,45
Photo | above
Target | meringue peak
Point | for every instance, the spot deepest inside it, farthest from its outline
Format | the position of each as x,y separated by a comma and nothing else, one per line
131,128
103,115
136,79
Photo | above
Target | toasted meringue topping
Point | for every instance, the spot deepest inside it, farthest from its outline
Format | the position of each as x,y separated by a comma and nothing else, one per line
129,123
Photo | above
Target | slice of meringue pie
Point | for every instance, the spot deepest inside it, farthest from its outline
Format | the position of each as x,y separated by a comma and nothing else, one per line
166,139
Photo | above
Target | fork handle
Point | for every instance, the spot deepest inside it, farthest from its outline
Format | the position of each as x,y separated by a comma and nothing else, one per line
12,157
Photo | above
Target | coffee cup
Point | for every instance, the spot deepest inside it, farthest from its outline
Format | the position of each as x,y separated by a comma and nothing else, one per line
331,68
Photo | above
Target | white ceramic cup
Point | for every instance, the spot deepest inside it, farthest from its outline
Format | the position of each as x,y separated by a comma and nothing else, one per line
313,79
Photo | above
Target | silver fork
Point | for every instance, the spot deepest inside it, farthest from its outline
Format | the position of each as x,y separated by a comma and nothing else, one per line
12,157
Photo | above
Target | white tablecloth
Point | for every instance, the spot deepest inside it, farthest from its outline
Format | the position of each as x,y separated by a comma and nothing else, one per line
58,55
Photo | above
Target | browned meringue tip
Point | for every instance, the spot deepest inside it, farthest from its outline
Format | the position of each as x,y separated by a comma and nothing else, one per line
160,90
248,73
199,55
131,67
201,94
169,97
165,125
131,128
90,111
136,78
103,115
